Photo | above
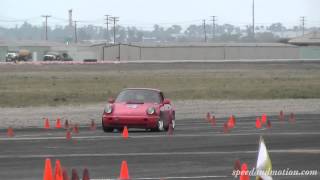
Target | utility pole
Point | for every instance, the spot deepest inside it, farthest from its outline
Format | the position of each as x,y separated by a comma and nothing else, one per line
114,19
253,19
75,32
204,30
213,27
303,19
107,23
46,20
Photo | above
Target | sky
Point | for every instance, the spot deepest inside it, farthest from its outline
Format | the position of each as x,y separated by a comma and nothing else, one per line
145,13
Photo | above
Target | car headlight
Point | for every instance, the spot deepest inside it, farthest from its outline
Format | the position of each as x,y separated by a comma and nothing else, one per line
108,109
151,110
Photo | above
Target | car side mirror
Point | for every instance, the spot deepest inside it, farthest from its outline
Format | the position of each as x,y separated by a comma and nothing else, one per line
111,100
166,101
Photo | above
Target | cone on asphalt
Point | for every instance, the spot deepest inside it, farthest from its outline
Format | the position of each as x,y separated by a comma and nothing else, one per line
10,132
93,125
125,133
237,165
244,174
85,175
292,118
258,123
65,174
46,123
231,122
208,117
47,172
58,123
268,124
58,171
281,116
170,130
74,175
263,119
76,129
124,172
68,135
225,127
213,120
66,124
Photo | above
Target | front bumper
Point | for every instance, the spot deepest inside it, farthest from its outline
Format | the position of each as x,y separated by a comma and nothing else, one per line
145,122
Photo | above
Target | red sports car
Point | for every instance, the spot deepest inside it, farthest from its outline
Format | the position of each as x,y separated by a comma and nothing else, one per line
139,108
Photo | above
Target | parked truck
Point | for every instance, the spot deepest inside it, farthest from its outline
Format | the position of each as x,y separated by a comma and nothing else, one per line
21,55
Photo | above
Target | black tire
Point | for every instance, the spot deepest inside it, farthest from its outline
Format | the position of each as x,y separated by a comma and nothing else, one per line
107,129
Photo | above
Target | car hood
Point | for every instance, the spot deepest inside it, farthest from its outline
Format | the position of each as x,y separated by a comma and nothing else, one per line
125,109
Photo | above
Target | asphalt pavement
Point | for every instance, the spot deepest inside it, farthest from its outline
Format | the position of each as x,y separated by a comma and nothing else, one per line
196,150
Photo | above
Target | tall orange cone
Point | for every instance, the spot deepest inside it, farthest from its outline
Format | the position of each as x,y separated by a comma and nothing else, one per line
292,118
68,135
85,175
74,175
10,132
66,124
244,175
258,123
47,173
125,133
93,126
263,119
124,172
231,122
58,123
281,116
65,174
58,171
76,129
208,117
46,123
213,121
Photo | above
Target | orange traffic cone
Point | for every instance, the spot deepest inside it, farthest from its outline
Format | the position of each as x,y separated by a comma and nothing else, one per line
170,130
292,118
74,175
208,117
85,175
93,126
10,132
258,123
281,116
46,123
231,122
124,172
68,135
58,123
237,165
268,124
47,173
76,129
213,121
263,119
58,171
244,175
125,133
65,174
66,124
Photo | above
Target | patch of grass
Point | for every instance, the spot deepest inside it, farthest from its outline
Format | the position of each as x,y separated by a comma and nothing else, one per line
53,87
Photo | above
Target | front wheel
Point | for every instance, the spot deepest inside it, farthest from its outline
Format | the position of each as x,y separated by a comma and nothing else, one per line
160,126
107,129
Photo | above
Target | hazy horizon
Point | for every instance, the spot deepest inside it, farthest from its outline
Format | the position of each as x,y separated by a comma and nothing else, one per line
145,13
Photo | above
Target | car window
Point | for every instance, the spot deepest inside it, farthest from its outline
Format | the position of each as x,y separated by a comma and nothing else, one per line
138,96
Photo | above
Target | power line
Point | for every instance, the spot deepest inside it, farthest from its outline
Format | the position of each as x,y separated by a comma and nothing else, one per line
107,23
213,27
115,20
46,19
204,30
303,19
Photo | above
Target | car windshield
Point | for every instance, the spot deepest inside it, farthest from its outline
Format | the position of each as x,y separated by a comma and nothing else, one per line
139,96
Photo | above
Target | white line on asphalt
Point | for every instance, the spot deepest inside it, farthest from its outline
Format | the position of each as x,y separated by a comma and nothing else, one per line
176,177
282,151
17,138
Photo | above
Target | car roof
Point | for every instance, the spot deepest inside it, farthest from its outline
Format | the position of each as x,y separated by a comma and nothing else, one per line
151,89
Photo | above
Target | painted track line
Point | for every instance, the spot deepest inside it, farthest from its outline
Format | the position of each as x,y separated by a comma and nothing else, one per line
281,151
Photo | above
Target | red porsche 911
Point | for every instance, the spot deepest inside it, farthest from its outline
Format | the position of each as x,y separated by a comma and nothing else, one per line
139,108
